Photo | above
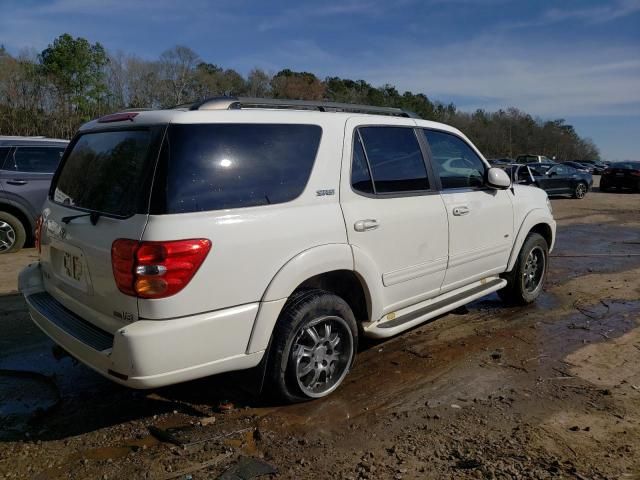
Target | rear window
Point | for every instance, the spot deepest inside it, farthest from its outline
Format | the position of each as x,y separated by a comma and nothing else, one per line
222,166
106,172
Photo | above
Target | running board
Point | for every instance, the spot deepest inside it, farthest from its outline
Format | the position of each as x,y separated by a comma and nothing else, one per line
432,308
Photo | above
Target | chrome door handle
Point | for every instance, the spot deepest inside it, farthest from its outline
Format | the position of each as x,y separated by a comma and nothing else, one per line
366,225
17,182
459,211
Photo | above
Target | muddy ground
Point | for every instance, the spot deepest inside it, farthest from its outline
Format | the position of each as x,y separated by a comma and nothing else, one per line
546,391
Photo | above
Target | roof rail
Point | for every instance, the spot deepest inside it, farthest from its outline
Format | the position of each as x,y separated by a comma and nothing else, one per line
234,103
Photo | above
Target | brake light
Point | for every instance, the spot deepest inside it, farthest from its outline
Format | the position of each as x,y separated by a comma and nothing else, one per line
38,234
156,269
635,173
118,117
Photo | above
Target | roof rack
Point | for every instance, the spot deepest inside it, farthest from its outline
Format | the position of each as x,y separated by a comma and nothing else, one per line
236,103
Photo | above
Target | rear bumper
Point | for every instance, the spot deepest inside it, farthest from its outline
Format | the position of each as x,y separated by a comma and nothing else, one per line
147,353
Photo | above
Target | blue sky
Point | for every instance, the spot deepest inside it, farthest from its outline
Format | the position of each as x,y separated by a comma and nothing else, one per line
572,59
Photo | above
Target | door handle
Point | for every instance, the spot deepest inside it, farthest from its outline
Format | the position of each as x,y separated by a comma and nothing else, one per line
17,182
460,211
366,225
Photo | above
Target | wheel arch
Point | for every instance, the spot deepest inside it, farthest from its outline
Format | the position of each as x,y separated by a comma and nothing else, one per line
537,221
328,267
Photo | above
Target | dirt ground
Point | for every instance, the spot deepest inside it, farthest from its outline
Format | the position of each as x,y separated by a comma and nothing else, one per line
551,390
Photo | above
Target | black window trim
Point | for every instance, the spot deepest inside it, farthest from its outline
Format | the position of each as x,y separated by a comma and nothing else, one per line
409,193
154,153
487,166
12,155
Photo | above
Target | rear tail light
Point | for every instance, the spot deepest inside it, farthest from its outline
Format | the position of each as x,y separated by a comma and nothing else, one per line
38,234
635,173
156,269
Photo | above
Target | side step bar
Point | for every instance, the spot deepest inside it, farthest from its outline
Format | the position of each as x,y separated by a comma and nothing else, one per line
433,308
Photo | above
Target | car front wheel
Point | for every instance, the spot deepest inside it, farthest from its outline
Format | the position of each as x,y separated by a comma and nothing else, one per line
525,281
314,346
580,191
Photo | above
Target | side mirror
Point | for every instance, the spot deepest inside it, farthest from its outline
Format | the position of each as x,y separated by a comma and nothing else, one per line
498,178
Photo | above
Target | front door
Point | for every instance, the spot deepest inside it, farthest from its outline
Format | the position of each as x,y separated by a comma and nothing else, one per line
395,219
480,218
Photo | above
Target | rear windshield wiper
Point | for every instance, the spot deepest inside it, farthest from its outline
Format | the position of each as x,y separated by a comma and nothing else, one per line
93,217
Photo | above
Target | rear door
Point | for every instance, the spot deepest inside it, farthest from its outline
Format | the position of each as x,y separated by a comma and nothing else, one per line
28,171
395,218
99,194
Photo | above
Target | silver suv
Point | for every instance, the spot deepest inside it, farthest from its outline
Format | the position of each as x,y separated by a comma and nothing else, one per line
26,168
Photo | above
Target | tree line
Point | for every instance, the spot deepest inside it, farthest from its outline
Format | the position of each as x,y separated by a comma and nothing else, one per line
72,81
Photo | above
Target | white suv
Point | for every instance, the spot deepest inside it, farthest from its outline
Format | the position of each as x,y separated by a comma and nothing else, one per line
240,233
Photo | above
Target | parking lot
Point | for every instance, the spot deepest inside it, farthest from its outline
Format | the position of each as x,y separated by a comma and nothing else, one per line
551,390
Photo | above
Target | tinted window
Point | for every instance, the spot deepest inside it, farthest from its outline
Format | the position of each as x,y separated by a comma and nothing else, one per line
3,154
35,159
395,158
360,175
456,163
218,166
105,172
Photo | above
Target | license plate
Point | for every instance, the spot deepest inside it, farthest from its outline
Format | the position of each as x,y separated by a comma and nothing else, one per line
72,267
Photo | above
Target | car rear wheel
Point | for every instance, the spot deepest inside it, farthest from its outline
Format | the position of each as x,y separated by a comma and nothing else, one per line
314,346
12,233
525,281
580,191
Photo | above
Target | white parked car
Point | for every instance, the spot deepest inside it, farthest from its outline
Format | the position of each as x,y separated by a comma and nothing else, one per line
242,233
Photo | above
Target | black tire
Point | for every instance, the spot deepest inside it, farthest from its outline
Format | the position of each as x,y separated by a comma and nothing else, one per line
604,187
305,310
12,233
517,291
580,190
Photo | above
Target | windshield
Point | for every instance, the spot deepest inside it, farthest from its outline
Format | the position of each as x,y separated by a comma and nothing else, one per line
107,172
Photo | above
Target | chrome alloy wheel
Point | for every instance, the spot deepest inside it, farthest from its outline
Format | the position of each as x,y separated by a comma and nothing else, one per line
7,236
321,354
581,190
533,271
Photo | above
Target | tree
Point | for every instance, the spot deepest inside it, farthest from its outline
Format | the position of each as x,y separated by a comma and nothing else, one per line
177,68
258,83
297,85
76,69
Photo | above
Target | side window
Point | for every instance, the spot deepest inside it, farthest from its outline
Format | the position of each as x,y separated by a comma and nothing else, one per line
395,159
4,151
360,175
455,161
219,166
35,159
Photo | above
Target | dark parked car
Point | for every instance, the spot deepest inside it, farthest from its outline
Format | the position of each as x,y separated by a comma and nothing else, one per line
580,166
26,168
499,162
621,175
558,179
598,166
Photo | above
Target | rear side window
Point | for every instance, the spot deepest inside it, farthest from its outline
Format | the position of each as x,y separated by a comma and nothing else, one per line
220,166
394,158
105,172
35,159
455,161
